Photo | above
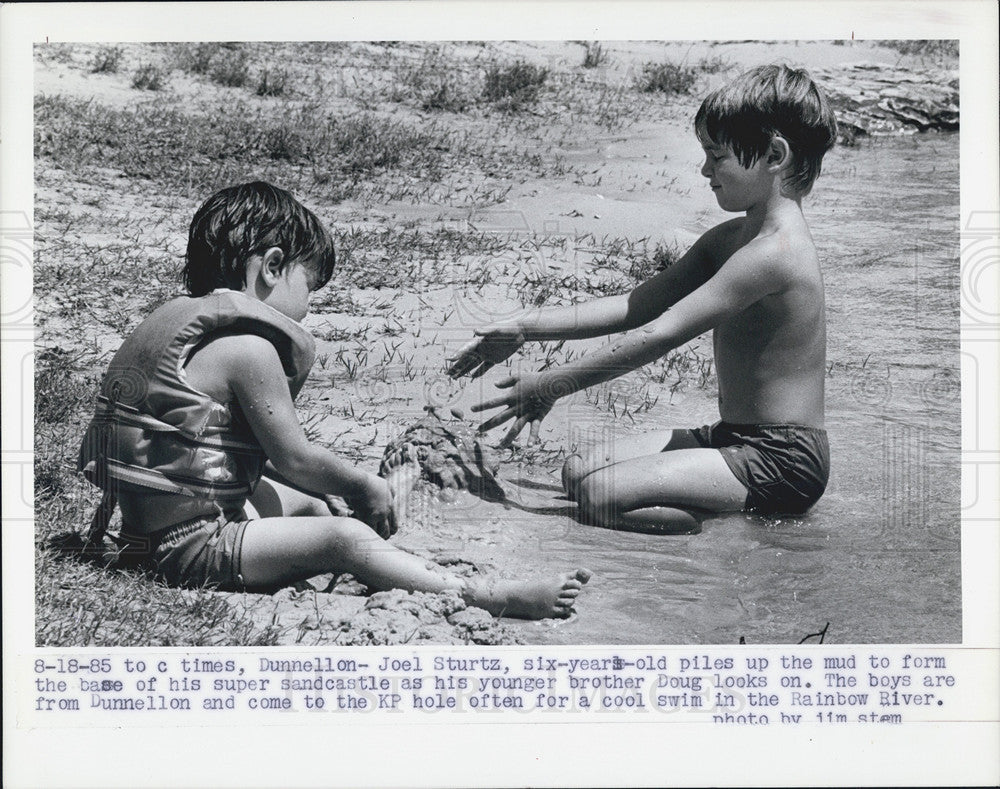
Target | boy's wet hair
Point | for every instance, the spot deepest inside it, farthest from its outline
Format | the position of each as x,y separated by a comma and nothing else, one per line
241,221
770,100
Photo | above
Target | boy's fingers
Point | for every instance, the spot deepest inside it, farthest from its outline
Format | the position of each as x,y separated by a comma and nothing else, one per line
471,345
496,402
485,366
468,356
506,383
460,367
533,433
499,419
514,431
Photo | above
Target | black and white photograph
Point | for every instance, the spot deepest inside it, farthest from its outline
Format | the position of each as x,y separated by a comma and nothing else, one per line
647,342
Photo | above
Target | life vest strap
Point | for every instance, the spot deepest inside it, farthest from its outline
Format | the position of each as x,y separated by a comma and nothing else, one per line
102,517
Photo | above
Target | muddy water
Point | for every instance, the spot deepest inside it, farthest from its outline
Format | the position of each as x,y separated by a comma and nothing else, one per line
878,557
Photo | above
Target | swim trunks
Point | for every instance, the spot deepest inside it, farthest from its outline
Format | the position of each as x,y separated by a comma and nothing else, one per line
784,468
201,552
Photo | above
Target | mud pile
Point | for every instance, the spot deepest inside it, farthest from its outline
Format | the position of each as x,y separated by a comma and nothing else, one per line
449,453
305,615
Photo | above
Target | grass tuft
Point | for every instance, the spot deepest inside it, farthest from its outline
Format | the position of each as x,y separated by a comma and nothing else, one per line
195,58
106,60
434,83
514,87
642,268
595,55
667,77
272,82
229,67
715,64
149,76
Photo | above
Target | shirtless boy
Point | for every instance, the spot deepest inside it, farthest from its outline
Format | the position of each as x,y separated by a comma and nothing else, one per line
754,281
197,404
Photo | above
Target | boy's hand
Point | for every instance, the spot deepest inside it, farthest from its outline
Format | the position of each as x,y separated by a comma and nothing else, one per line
531,397
374,506
493,344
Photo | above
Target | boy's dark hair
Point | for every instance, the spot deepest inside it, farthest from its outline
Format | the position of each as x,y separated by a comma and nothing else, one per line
770,100
240,221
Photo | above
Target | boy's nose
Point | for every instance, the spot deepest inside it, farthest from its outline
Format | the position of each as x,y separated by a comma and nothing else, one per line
706,170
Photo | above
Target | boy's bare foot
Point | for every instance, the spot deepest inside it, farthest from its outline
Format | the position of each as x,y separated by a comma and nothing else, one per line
404,471
402,475
553,597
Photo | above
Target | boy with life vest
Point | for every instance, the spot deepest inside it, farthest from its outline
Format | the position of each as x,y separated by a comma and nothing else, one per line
196,438
754,281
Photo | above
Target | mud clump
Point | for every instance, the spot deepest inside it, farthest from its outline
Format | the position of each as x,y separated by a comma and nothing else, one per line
449,454
398,617
305,615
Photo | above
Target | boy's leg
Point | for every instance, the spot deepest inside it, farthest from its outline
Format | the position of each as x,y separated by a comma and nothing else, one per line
282,550
277,551
578,465
273,499
656,493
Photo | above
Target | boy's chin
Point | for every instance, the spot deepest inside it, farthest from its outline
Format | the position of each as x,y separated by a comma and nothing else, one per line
729,206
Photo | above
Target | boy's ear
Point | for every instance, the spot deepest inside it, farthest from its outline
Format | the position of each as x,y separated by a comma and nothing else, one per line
779,154
270,265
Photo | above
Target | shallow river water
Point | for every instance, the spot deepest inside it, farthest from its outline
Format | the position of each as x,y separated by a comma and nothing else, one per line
878,557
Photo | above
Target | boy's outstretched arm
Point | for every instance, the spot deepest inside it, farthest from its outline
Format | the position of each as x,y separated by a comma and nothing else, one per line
257,381
746,277
496,342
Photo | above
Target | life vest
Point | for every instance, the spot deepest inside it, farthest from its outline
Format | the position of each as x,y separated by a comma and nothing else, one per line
153,432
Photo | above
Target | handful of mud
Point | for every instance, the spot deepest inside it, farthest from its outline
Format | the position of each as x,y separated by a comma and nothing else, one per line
449,454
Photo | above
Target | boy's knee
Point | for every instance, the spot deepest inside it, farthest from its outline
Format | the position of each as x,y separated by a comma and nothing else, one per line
596,497
343,537
572,473
577,467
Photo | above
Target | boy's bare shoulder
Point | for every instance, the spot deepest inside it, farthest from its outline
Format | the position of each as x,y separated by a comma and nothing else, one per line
718,243
786,254
238,349
731,228
231,358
